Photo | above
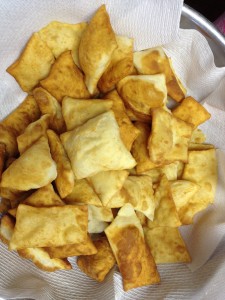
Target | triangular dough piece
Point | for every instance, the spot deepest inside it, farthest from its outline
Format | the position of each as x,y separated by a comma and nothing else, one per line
143,92
202,170
126,238
138,191
76,112
65,177
107,183
166,212
44,197
65,79
61,37
96,47
96,146
121,64
49,105
32,133
169,138
33,64
167,245
128,131
33,169
26,113
83,193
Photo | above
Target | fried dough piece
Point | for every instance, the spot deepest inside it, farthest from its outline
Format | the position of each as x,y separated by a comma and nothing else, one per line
65,177
27,172
121,64
2,158
128,131
202,170
65,79
168,141
44,197
49,226
170,170
91,147
141,93
8,138
4,205
85,248
26,113
140,151
42,260
197,136
155,61
83,193
76,112
167,245
49,105
138,191
6,229
61,37
96,48
32,133
33,64
97,266
107,184
165,213
126,238
191,111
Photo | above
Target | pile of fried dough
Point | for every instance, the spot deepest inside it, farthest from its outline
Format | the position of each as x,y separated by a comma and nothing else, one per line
93,163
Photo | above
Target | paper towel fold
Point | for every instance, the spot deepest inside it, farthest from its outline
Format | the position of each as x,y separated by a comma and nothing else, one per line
151,23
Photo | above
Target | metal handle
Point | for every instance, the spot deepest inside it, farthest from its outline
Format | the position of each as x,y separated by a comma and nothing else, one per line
204,24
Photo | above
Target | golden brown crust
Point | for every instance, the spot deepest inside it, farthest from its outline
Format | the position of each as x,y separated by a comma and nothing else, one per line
49,105
33,64
28,172
49,226
2,158
41,259
85,248
167,245
96,47
98,265
32,133
191,111
65,79
8,138
141,93
134,258
26,113
140,151
44,197
121,64
65,177
128,131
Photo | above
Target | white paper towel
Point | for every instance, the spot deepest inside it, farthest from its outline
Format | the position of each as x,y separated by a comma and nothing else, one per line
151,23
